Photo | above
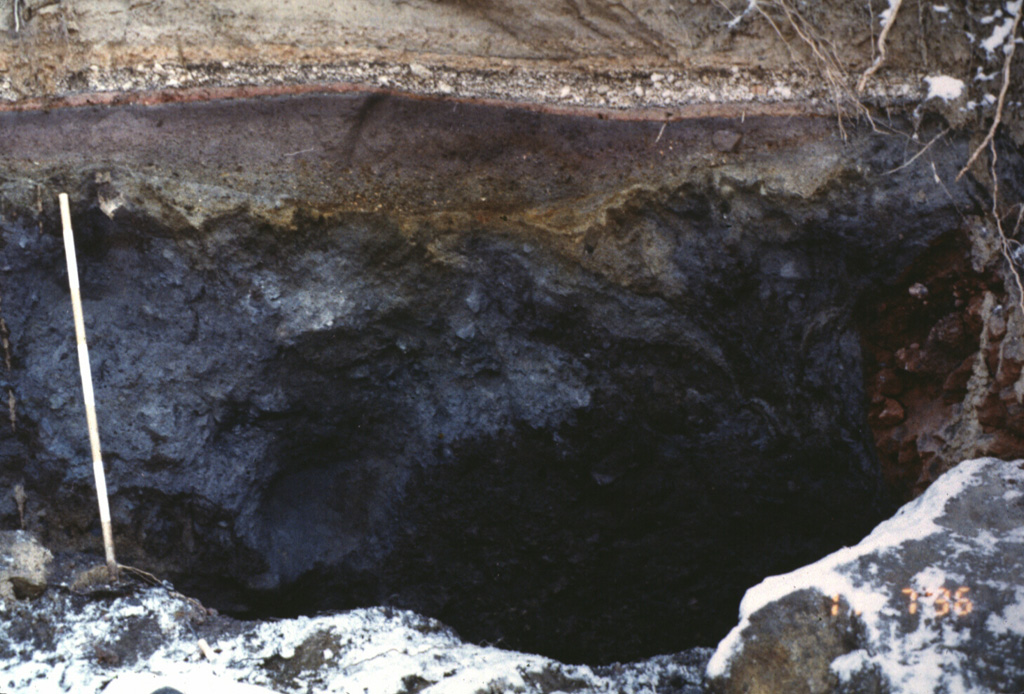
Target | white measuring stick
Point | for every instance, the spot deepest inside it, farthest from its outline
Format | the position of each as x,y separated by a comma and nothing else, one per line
87,394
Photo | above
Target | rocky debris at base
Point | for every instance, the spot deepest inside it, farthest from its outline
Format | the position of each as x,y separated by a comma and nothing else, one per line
121,637
931,601
24,566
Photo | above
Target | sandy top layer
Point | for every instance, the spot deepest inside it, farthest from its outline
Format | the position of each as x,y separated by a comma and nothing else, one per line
580,54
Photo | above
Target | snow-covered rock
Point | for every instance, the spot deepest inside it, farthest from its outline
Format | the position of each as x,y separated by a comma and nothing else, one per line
931,601
116,640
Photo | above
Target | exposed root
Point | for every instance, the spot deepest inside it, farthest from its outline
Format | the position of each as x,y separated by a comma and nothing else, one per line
822,50
894,8
1006,243
147,577
1009,48
919,153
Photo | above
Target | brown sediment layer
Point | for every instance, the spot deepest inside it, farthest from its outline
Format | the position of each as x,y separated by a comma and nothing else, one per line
201,94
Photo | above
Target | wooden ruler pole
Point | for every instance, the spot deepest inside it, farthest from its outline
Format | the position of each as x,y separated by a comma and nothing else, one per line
87,393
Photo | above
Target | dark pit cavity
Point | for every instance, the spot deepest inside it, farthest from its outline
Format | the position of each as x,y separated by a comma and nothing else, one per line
563,385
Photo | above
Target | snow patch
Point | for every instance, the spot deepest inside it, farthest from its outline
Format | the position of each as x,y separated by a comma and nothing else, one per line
1011,619
375,650
735,21
1001,31
884,15
944,87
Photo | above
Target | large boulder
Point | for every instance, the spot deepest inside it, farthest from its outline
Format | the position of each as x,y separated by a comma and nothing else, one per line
24,565
931,601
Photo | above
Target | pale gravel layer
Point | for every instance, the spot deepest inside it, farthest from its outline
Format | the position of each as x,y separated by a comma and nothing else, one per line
605,89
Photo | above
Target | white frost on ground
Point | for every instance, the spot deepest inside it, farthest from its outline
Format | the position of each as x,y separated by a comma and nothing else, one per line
367,651
1001,31
1010,618
193,683
915,662
944,87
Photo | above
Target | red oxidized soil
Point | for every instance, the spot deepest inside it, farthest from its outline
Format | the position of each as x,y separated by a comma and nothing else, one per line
921,339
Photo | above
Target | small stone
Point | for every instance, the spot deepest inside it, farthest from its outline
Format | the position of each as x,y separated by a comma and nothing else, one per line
911,358
726,140
419,70
466,331
565,93
955,385
475,301
892,413
639,91
24,566
918,291
445,88
105,655
997,327
657,77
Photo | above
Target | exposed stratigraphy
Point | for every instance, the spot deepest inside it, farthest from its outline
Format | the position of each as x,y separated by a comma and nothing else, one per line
570,385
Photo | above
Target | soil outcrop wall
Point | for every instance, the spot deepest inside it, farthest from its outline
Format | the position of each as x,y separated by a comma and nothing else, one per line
544,377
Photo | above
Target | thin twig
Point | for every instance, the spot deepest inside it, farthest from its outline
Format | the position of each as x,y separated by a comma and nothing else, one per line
143,575
152,580
400,651
919,153
1012,46
17,19
894,8
829,64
